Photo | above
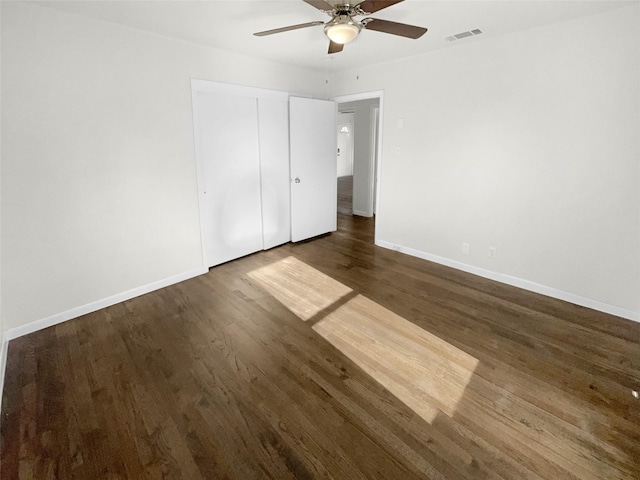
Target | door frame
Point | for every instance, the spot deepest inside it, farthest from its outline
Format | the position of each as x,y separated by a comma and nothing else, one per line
376,166
375,153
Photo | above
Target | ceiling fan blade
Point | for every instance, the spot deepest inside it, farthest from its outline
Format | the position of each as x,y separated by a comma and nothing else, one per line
372,6
320,5
335,47
286,29
394,28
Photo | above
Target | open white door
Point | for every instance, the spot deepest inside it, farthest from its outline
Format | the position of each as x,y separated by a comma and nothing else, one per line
313,144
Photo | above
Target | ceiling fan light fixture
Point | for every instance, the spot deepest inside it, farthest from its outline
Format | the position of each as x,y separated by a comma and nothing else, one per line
342,29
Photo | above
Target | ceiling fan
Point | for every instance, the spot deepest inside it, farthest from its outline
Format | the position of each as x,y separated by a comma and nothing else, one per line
343,28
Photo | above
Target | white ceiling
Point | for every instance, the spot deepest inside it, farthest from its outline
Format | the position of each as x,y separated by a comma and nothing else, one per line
229,25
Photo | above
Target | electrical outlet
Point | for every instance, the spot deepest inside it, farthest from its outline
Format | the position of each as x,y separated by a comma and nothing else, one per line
493,251
466,248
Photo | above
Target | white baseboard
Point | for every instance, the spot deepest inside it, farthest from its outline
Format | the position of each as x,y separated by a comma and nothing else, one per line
4,345
361,213
516,282
83,310
99,304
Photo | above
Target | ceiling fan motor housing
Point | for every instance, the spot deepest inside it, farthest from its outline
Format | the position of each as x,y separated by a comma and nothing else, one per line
342,29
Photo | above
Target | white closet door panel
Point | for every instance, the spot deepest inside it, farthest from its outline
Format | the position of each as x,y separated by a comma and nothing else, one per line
231,171
273,115
312,126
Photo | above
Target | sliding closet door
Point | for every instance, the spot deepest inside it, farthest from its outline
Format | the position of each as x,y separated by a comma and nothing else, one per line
229,148
273,117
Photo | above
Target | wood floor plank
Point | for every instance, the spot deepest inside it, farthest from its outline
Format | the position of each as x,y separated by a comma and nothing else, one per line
319,360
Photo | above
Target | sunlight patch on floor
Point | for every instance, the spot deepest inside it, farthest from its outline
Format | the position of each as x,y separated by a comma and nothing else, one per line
426,373
301,288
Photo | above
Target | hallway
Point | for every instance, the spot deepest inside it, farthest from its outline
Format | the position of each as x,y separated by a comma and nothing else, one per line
345,195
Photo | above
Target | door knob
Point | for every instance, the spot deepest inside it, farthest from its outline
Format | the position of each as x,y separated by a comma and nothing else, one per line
297,180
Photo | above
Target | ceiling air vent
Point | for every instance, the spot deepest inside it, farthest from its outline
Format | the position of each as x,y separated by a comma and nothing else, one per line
458,36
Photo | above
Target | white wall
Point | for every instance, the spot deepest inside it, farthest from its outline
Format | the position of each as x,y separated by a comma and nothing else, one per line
99,193
363,167
526,142
2,340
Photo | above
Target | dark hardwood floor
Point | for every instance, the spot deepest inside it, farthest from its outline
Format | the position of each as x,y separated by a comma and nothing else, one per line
345,195
216,378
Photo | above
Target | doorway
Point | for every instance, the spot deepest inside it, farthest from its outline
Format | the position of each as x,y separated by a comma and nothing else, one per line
345,162
362,187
